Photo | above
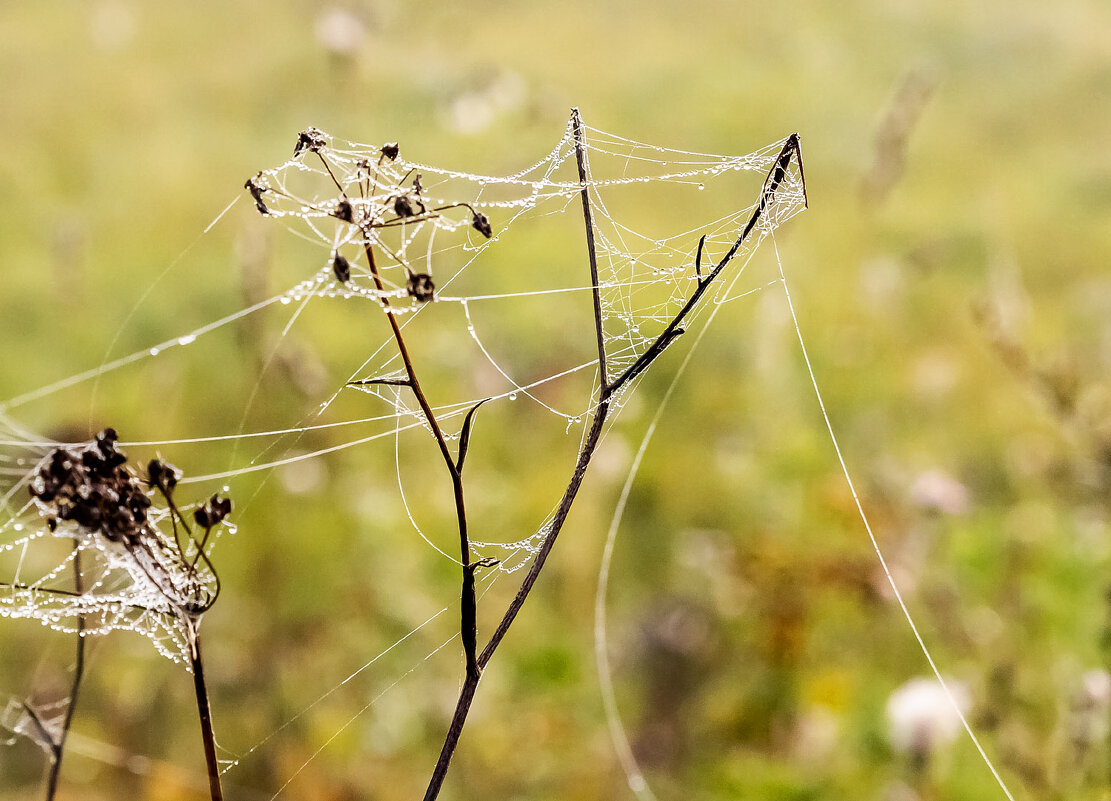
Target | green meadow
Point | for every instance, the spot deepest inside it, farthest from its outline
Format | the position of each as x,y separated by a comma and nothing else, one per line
951,283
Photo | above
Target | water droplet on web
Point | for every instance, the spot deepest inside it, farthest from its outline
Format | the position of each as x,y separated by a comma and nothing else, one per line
187,340
513,396
702,186
17,527
285,300
154,351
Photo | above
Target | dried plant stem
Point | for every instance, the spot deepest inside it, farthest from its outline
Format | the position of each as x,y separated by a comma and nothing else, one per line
59,745
468,612
592,253
791,150
196,664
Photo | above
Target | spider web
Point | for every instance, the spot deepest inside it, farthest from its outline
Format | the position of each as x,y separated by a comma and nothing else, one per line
659,227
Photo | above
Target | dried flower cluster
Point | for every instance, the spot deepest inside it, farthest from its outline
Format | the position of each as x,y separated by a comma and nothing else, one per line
93,490
379,204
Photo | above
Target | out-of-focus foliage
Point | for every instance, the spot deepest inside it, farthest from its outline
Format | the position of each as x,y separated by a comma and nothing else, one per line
951,276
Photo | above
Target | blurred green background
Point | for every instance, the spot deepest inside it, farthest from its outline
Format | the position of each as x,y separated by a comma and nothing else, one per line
951,278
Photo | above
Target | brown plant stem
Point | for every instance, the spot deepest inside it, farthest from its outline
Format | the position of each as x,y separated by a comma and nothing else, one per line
59,745
197,666
468,614
791,149
592,253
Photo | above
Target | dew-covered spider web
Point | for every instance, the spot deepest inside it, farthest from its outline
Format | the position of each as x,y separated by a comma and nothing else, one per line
488,281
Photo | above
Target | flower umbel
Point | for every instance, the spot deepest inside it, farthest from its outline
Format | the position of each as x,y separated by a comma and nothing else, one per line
148,572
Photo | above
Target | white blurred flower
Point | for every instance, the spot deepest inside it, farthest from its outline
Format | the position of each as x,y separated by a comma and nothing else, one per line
340,32
475,110
921,716
937,491
1097,689
113,25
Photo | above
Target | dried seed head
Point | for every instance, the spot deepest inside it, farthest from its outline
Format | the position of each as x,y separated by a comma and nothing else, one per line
345,211
390,150
403,206
93,488
212,512
417,186
482,224
312,139
256,186
162,476
341,268
420,286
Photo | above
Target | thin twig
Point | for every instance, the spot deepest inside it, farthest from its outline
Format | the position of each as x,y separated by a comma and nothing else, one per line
590,443
468,621
59,745
468,615
588,221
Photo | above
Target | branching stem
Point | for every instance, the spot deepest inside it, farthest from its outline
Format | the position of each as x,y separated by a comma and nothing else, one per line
600,412
468,614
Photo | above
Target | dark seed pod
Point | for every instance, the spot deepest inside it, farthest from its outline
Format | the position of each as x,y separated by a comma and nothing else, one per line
162,475
341,268
482,224
345,211
212,512
390,150
420,286
403,206
312,139
256,187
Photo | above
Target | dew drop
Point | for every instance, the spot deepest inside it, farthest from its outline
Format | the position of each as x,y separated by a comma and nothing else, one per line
155,351
285,300
189,339
702,186
17,527
513,396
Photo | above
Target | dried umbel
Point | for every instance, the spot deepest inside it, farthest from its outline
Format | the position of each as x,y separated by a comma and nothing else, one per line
383,208
128,572
147,566
93,489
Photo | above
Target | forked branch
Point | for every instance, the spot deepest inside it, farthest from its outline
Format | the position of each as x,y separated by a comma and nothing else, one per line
607,389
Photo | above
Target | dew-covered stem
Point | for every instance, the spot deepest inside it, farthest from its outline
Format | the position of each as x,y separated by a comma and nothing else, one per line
196,665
